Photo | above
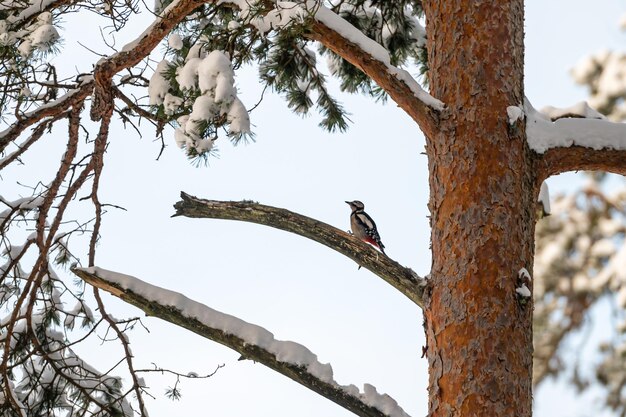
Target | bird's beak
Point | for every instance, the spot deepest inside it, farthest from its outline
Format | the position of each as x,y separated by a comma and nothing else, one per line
348,202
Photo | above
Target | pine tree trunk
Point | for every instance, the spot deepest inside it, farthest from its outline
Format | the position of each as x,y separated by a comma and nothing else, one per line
478,329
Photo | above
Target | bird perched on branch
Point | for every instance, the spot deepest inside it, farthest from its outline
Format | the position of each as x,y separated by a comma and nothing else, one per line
363,226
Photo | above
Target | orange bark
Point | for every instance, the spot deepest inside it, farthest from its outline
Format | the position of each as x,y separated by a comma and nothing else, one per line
577,158
478,329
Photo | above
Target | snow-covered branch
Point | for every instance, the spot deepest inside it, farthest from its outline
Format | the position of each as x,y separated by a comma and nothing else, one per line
581,257
350,43
370,57
402,278
133,52
37,7
106,68
326,27
575,139
251,341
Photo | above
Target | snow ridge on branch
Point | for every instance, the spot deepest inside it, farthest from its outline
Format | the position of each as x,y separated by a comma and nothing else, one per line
581,130
253,342
287,11
574,139
376,51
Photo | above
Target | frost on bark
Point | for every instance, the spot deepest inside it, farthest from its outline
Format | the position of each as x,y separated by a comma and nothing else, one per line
478,328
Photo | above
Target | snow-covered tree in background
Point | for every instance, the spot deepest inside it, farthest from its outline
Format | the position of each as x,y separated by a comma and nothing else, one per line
580,260
489,152
604,74
581,256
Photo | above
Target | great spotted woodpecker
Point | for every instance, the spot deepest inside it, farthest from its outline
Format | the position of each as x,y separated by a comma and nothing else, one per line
363,226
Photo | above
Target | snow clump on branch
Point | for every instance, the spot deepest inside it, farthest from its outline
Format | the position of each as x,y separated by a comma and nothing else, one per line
41,35
283,14
212,76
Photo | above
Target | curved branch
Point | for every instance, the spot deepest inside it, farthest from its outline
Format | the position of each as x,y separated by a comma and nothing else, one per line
402,278
252,342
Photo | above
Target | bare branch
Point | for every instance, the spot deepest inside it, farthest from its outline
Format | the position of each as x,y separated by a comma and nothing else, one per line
402,278
188,375
34,137
288,358
73,98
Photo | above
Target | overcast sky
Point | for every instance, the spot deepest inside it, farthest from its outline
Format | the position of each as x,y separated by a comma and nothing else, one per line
295,288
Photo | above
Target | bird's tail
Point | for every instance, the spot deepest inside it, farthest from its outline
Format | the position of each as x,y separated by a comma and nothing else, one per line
375,241
381,247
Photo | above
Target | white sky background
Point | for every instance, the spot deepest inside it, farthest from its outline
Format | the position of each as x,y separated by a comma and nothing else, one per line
295,288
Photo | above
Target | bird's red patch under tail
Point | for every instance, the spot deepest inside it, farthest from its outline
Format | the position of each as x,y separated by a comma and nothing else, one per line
371,242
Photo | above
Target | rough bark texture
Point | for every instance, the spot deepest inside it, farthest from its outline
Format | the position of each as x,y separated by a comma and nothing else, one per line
577,158
482,191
